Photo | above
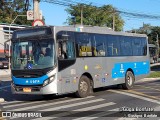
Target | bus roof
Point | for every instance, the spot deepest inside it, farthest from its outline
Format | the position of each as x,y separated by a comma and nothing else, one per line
89,29
96,29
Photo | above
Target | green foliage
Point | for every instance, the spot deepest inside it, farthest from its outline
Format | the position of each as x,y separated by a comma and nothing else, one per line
153,34
154,74
9,10
94,16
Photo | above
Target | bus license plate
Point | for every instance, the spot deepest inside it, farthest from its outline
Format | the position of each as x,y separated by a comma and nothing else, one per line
26,89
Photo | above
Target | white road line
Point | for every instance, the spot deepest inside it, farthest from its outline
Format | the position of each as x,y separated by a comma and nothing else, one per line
73,105
44,118
95,107
157,108
116,109
4,103
83,109
136,96
49,104
21,104
95,116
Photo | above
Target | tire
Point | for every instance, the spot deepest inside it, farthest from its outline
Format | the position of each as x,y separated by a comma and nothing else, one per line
129,81
84,87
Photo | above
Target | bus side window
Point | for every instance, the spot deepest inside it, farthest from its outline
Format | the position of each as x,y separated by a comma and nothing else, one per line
61,52
70,50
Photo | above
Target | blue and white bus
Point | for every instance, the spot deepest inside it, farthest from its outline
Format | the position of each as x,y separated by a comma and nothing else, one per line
69,59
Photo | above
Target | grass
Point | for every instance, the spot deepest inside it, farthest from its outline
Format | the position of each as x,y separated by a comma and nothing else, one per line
155,74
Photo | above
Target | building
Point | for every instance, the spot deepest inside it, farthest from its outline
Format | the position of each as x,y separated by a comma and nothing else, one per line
6,31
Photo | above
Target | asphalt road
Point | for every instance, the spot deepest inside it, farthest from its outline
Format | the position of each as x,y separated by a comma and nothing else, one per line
105,103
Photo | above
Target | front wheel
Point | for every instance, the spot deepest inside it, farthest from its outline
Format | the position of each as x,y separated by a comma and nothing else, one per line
84,87
129,81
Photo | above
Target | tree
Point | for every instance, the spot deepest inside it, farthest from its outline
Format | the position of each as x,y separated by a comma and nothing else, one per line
9,10
154,35
95,16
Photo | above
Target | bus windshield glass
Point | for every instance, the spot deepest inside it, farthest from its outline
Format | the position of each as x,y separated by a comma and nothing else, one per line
33,54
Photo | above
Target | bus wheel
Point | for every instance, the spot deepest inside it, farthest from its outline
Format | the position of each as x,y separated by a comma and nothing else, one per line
129,81
84,87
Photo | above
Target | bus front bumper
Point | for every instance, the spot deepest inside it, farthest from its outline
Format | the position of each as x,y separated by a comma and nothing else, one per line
35,90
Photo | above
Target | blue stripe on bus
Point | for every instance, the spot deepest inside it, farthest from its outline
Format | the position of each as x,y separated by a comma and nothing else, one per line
29,81
139,68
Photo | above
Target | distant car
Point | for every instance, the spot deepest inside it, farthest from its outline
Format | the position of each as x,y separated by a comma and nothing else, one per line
4,63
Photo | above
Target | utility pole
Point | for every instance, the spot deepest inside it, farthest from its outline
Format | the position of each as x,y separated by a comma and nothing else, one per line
113,22
81,15
113,26
36,9
157,46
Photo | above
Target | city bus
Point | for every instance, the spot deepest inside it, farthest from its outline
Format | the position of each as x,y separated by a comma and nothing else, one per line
58,60
152,52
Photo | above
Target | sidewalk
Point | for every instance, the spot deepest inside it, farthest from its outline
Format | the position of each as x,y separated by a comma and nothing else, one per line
5,74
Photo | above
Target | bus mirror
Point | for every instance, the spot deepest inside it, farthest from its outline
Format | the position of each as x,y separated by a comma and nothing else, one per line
7,48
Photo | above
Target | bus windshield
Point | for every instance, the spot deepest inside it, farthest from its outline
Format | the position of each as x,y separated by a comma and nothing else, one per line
33,54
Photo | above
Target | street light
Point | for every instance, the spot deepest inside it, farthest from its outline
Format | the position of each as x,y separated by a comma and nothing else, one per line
10,34
12,23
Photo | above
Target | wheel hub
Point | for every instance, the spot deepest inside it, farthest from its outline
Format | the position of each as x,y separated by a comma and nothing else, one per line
83,86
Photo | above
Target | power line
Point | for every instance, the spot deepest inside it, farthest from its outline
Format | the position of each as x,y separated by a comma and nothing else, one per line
68,3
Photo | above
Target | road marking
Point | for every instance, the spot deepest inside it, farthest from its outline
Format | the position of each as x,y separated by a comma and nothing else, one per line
142,94
96,106
21,104
44,118
95,116
149,87
83,109
10,102
157,108
116,109
49,104
136,96
73,105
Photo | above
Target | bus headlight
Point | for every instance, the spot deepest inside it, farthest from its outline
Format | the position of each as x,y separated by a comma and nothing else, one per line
49,80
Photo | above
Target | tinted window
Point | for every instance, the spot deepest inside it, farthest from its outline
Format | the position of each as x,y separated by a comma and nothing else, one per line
126,45
84,45
66,49
99,44
139,46
113,47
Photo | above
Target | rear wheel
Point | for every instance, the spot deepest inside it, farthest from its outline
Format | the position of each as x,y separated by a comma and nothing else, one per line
129,81
84,87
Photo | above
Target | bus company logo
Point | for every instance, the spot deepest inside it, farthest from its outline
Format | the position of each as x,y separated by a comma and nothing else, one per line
32,81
